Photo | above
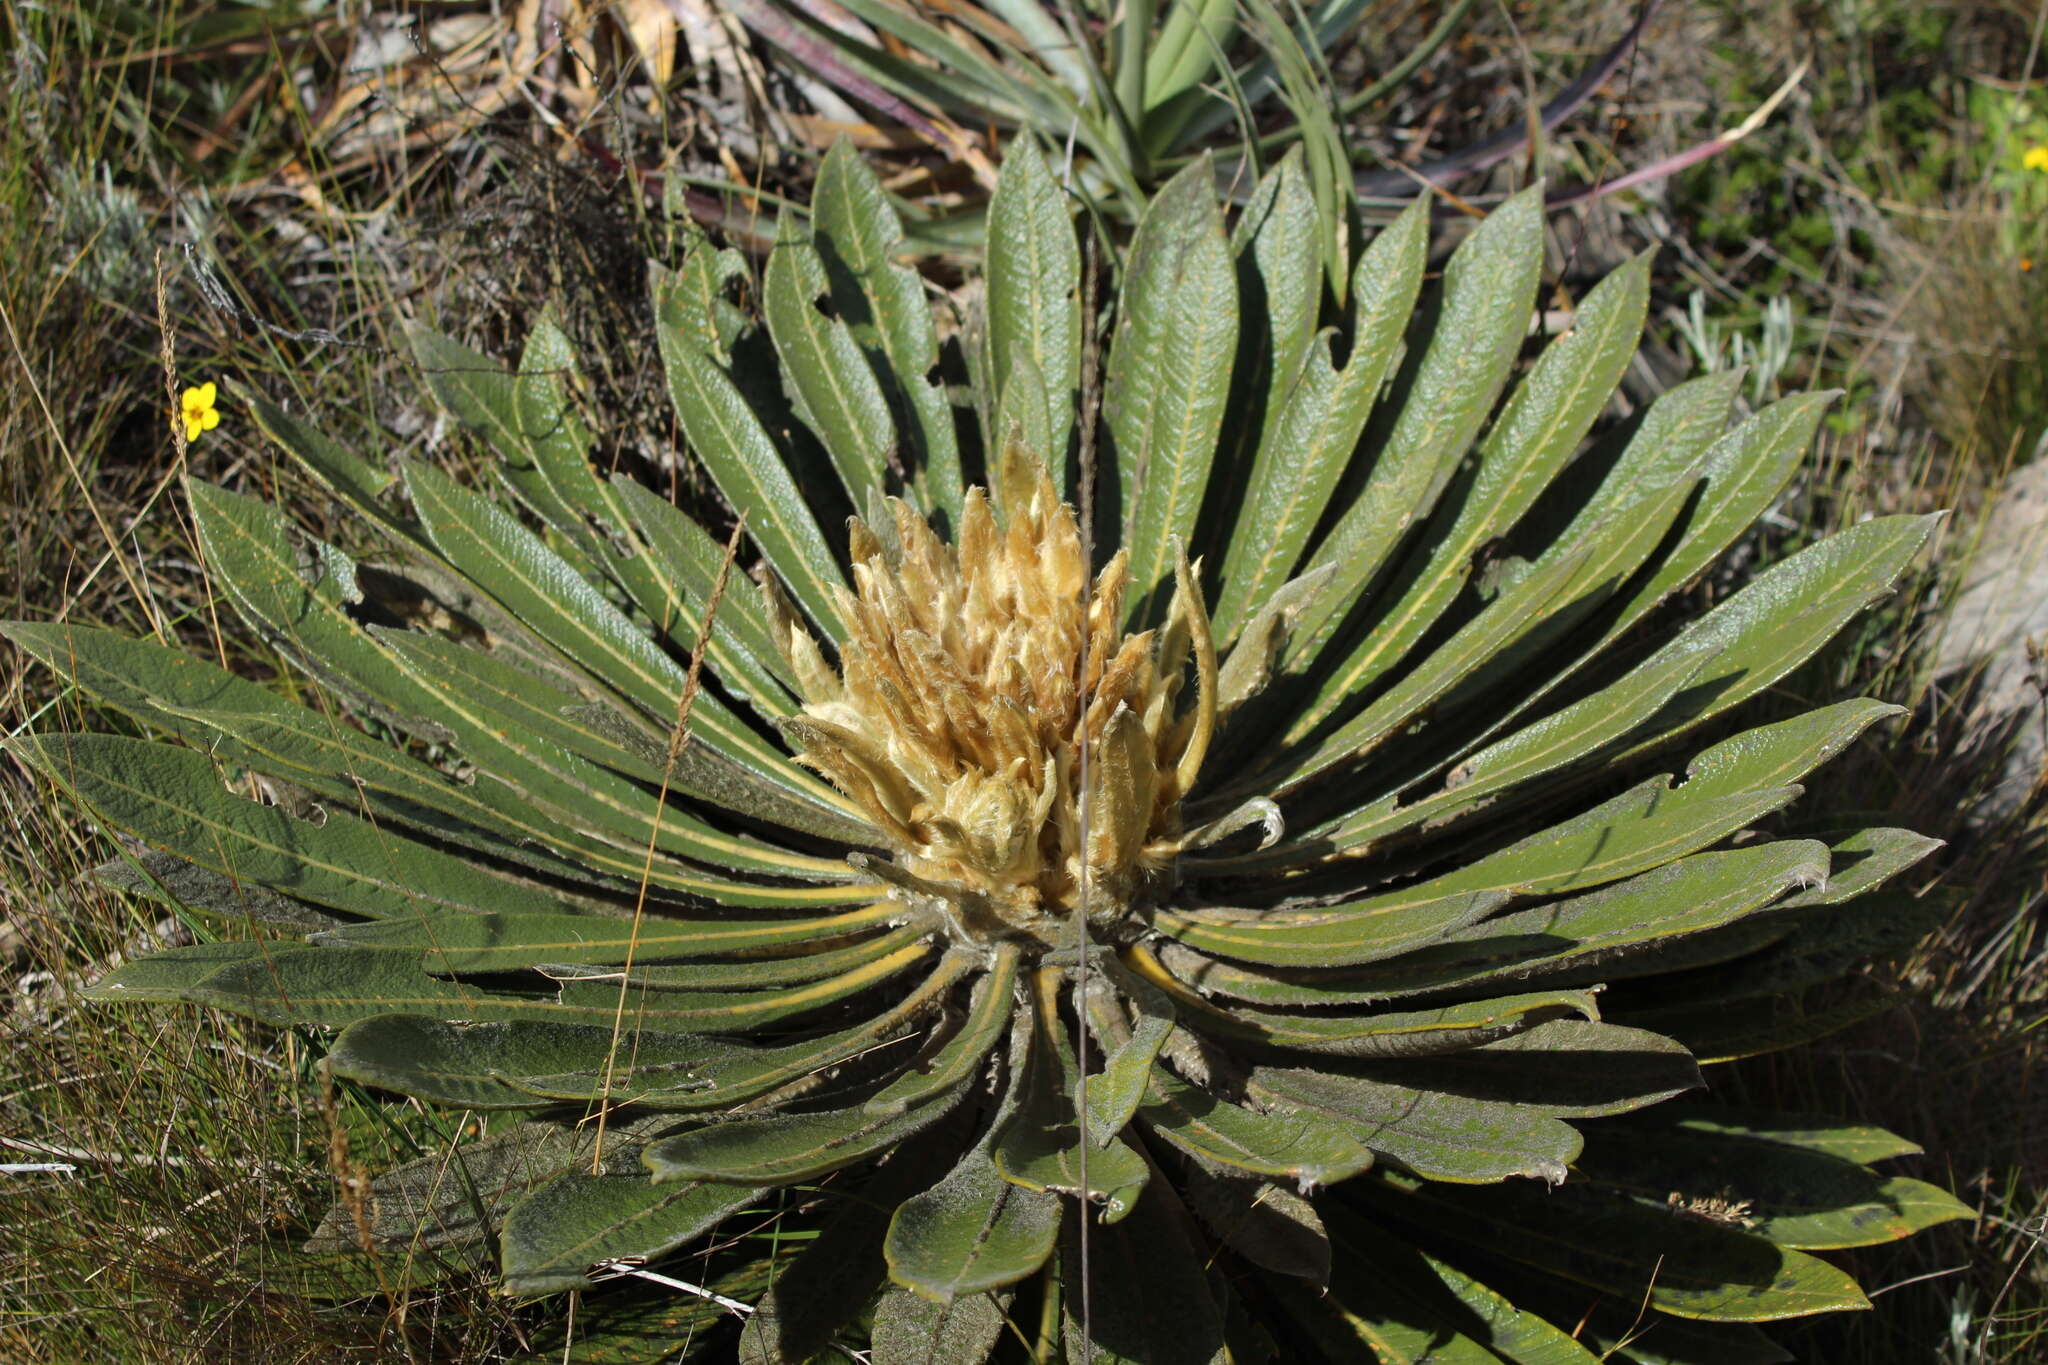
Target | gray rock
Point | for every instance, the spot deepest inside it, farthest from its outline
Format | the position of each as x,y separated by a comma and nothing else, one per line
1996,638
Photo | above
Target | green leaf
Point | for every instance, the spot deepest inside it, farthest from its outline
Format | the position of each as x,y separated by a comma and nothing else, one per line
483,396
612,526
559,606
1169,372
1279,282
836,392
1745,472
496,943
973,1231
1603,934
349,477
737,1009
1776,621
1307,93
243,723
173,973
1426,1131
749,972
783,1148
140,678
1863,862
982,1028
1185,50
1621,1330
1653,480
576,946
728,438
884,303
1646,826
1822,1133
332,988
431,1060
1034,285
1050,42
1151,1301
1301,1147
1784,751
1425,1032
543,448
1790,1195
1545,590
1040,1146
578,764
1579,734
1728,786
459,1195
699,294
742,652
835,1275
1340,936
1662,1340
1570,1068
1548,415
1321,414
543,1059
1490,1112
170,879
956,72
1384,1305
1566,585
913,1330
1115,1092
300,603
175,800
1268,1225
579,1220
1677,1265
337,762
1488,289
1520,1335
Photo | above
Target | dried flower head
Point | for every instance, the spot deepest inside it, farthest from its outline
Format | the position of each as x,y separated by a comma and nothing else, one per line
1020,755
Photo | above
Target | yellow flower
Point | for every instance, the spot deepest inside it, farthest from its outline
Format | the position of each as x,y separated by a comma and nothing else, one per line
198,411
2036,158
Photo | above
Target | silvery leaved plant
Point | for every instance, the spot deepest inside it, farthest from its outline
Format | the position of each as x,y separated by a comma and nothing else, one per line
1278,912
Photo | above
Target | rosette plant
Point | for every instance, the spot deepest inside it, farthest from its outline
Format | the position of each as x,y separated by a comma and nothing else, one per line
1270,912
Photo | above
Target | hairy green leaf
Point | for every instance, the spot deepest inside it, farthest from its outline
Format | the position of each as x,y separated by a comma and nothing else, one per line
1169,373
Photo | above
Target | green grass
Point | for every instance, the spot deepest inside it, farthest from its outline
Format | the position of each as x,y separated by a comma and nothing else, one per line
201,1148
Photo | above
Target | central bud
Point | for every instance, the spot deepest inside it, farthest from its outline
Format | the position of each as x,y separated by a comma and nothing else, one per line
1021,756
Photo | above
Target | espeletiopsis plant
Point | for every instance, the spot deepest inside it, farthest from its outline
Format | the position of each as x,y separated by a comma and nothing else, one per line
1247,869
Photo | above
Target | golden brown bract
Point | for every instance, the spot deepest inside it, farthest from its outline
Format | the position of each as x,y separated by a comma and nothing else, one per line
986,694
